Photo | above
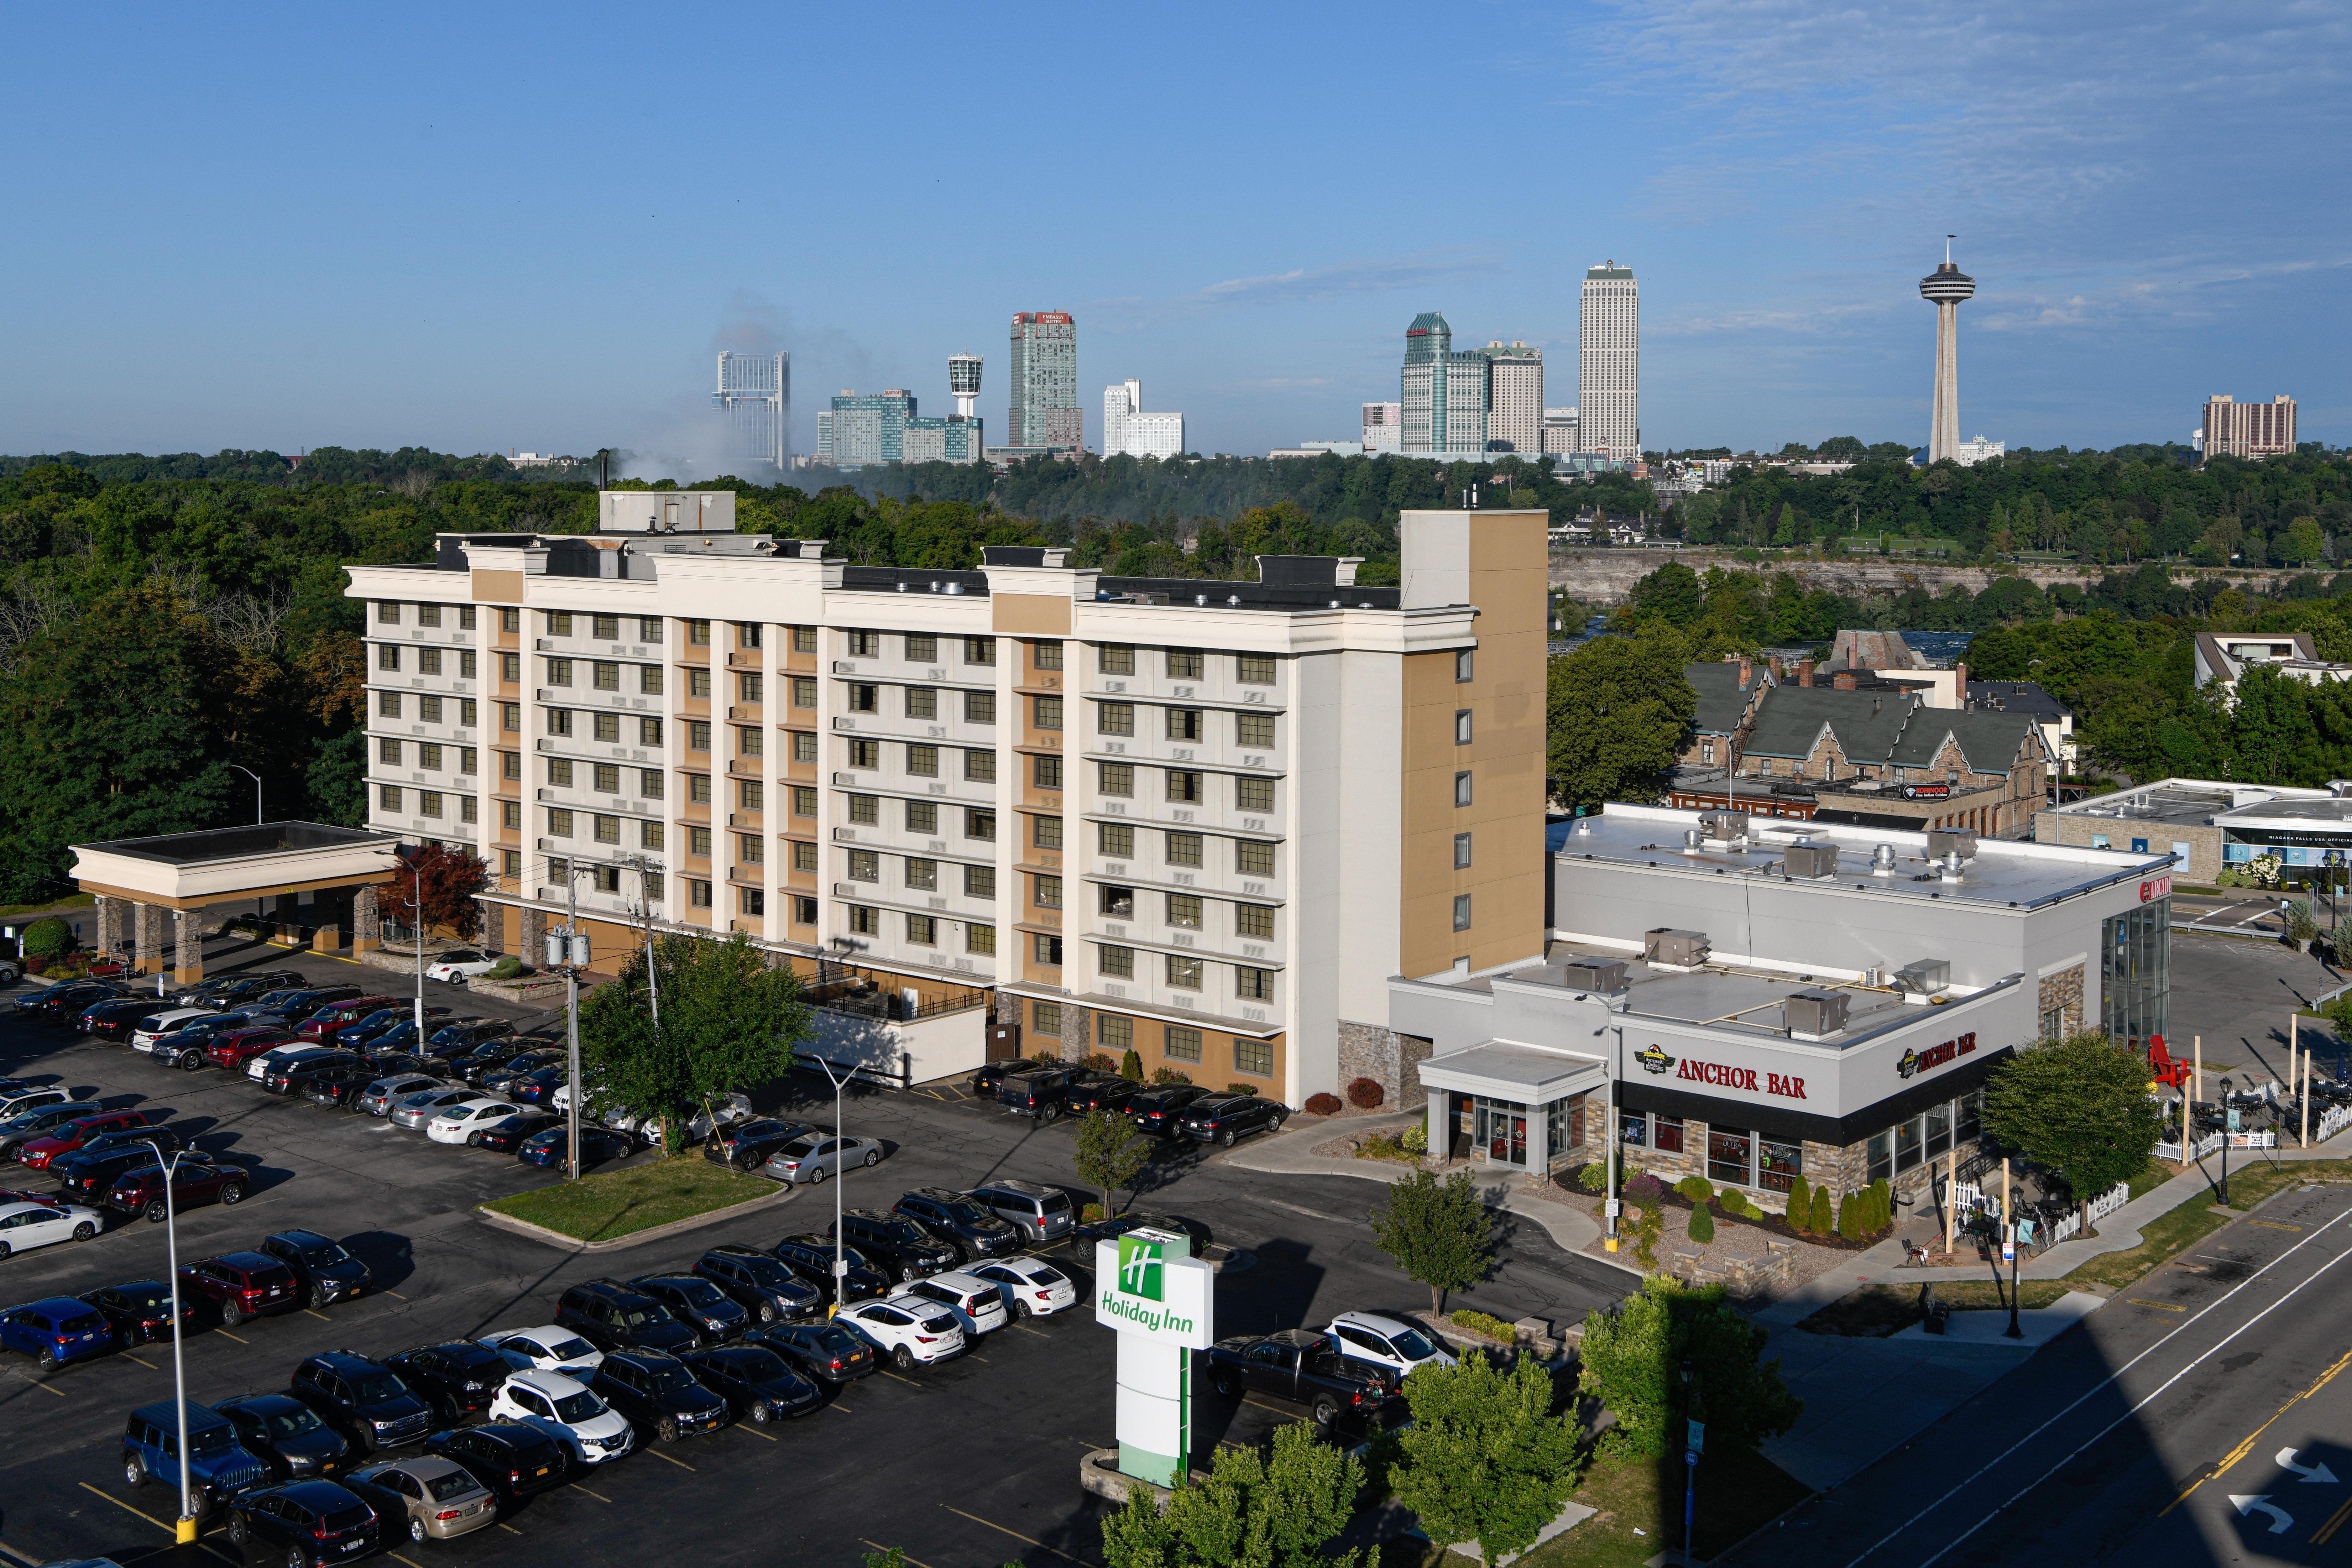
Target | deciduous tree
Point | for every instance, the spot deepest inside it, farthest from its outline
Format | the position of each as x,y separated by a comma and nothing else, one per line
1110,1152
2078,1106
1439,1233
1618,710
434,885
1633,1355
1484,1459
1248,1512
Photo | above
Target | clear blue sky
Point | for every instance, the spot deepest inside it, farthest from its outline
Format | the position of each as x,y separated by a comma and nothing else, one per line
479,227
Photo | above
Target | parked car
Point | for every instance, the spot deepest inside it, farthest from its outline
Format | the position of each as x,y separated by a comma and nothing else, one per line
468,1033
1299,1365
460,1122
811,1257
985,1081
517,1070
1038,1093
978,1304
597,1145
11,972
458,966
234,990
817,1155
300,1003
365,1399
219,1470
341,1087
896,1242
295,1075
234,1048
549,1348
1102,1091
44,1115
35,1153
25,1226
513,1459
241,1284
325,1272
28,1097
696,1122
1156,1114
713,1315
1041,1214
960,1222
537,1088
612,1316
286,1434
509,1134
658,1394
1031,1287
426,1498
475,1065
64,1002
325,1022
388,1063
87,1174
146,1031
909,1330
822,1350
187,1047
1226,1119
760,1282
303,1523
567,1410
378,1097
193,1182
414,1111
457,1378
55,1331
404,1036
1394,1345
757,1383
1120,1225
374,1026
748,1143
140,1312
259,1069
115,1018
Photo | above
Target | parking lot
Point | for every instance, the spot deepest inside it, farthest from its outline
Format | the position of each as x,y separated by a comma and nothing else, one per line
972,1462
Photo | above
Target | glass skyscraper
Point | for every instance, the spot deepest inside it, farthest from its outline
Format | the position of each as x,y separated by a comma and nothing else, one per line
1044,409
1445,394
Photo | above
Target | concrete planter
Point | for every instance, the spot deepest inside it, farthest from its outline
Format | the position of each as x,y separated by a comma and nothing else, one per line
556,1238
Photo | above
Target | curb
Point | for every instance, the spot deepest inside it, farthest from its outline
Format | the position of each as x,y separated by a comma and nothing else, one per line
557,1239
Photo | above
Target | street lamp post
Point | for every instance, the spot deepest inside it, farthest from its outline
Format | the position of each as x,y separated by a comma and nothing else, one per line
256,777
564,951
840,1258
2226,1114
186,1527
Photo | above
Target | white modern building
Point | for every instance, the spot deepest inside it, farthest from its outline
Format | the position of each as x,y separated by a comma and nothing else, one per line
1609,363
1969,454
1560,430
1383,427
1128,430
1515,394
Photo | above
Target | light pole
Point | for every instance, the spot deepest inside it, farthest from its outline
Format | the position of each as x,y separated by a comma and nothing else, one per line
840,1259
2228,1115
647,869
186,1527
1690,1459
256,777
563,950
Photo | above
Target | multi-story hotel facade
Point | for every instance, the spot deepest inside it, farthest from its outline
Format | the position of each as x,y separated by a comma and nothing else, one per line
1204,820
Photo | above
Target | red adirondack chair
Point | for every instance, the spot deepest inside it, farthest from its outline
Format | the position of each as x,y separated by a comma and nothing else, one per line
2162,1068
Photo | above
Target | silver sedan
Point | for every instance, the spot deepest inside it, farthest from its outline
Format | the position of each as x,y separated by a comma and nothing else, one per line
819,1156
379,1097
414,1111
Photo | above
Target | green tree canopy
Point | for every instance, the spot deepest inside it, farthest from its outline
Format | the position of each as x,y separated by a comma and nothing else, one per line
1275,1512
1672,591
1111,1152
1619,707
1439,1233
1633,1355
1484,1459
2078,1106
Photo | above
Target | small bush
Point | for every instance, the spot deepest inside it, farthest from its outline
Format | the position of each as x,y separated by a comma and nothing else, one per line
1167,1076
1735,1202
1321,1104
1800,1203
1695,1188
1241,1088
1885,1207
1486,1323
1414,1139
1100,1061
1131,1068
1644,1189
507,968
1821,1218
1365,1094
46,938
1090,1214
1593,1178
1849,1217
1044,1056
1702,1225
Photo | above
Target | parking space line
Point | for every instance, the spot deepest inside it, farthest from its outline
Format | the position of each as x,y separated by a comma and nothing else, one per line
2335,1522
2160,1306
845,1409
38,1383
391,1292
1015,1535
509,1529
754,1431
2273,1224
877,1546
600,1497
323,1318
227,1335
142,1361
14,1555
1028,1330
396,1557
150,1519
658,1454
910,1382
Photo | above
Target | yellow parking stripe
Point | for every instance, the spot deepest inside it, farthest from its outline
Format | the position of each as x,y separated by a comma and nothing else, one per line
877,1546
2160,1306
150,1519
1015,1535
2335,1522
658,1454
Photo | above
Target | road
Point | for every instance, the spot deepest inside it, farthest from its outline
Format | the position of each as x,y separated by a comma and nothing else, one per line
975,1462
2201,1417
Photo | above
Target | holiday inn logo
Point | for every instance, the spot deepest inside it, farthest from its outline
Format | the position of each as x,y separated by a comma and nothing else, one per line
1140,1267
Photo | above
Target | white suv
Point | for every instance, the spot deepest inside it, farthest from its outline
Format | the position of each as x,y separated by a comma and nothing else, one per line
549,1348
1031,1286
156,1026
566,1410
911,1331
1385,1341
975,1301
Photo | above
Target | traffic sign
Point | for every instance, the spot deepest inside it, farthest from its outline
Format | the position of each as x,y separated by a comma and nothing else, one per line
1697,1443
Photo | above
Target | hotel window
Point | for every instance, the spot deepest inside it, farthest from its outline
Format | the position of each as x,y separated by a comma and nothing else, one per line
804,912
1047,1018
979,939
387,613
1117,778
608,829
803,639
1046,950
510,862
864,920
698,734
649,731
923,931
923,650
1462,788
607,727
558,672
1045,713
1116,659
429,661
510,621
1115,1033
1253,669
922,702
1045,656
558,822
698,843
1185,910
1253,794
428,803
980,650
803,691
1117,840
865,866
388,796
980,881
1183,785
1255,920
605,628
697,893
1779,1163
606,674
1461,911
923,875
866,809
511,766
1183,723
750,742
387,752
387,656
1115,718
1464,664
1253,858
922,816
511,716
697,684
1184,664
649,628
1046,772
468,809
1048,892
1118,903
1183,973
864,753
1253,984
698,789
649,783
608,778
1253,1059
804,801
1181,1045
465,713
1118,962
465,664
1254,729
511,668
652,836
863,697
1183,849
980,767
511,816
559,772
387,704
747,634
428,710
863,645
697,634
1046,832
923,761
752,850
980,707
750,689
559,721
1462,726
803,856
1728,1152
980,825
804,747
1462,852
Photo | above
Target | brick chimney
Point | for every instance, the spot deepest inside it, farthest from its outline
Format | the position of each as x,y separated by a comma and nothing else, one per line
1959,685
1805,672
1746,671
1842,680
1772,662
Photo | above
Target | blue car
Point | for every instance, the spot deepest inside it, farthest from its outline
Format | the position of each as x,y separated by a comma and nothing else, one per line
538,1087
219,1470
597,1144
352,1037
401,1035
56,1331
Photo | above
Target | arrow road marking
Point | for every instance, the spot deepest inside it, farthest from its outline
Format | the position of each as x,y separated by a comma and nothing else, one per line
2318,1473
2251,1505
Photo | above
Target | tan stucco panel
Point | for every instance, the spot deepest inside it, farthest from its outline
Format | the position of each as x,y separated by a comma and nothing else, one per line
1030,615
496,587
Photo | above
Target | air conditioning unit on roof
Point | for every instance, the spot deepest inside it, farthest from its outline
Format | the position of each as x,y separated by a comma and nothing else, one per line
1675,949
1814,1012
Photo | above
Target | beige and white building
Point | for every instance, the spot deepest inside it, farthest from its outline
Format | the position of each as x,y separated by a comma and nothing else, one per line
1204,820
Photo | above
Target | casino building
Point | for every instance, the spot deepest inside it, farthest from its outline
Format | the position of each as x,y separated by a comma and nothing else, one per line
1751,1000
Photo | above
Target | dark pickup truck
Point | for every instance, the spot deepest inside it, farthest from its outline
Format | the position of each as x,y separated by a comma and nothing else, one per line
1301,1365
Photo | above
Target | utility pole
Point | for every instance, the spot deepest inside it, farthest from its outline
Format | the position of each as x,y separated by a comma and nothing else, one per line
568,950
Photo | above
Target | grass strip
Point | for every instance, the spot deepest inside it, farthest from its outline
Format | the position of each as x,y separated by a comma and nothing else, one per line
613,1203
2177,1230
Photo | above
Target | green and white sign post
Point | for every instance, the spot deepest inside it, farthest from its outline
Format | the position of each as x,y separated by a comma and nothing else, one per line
1163,1304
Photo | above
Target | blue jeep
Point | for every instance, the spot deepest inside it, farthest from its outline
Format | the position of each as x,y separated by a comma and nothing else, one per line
56,1331
218,1470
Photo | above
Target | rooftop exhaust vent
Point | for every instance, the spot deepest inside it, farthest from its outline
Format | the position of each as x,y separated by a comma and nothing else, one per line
1675,949
1593,975
1725,825
1814,1012
1924,977
1943,841
1811,861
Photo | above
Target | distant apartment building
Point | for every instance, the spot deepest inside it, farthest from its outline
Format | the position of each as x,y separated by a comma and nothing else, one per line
754,399
952,439
1383,427
1445,394
1515,394
1560,430
2235,429
860,429
1969,454
1609,363
1044,411
1202,821
1127,429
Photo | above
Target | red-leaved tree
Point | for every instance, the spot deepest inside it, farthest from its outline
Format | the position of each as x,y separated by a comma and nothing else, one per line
449,879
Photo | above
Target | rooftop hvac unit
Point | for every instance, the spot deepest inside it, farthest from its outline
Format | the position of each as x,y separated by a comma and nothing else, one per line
1811,861
1725,825
1814,1011
1943,841
1685,949
1593,975
1927,977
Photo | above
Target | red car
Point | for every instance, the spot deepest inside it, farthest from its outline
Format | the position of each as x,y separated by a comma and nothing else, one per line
241,1284
323,1023
141,1192
238,1047
55,1200
73,1134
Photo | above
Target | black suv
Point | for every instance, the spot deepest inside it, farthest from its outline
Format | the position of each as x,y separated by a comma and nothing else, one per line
286,1435
304,1522
713,1315
341,1086
321,1268
88,1174
755,1382
456,1379
1223,1118
1039,1092
658,1394
296,1076
1160,1111
760,1283
140,1312
985,1081
512,1459
363,1398
1102,1091
612,1316
809,1256
898,1243
952,1218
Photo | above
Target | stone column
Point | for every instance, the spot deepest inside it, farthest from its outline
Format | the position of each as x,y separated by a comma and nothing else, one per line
188,946
367,925
530,938
494,926
1441,1129
108,937
148,937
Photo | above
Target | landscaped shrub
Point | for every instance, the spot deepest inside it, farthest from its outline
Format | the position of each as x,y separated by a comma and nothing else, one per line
1100,1061
1850,1217
1090,1214
1486,1323
1131,1068
1415,1140
1317,1104
1882,1207
1594,1177
1702,1225
1044,1056
46,938
1644,1189
1241,1088
1165,1076
507,968
1800,1203
1365,1094
1735,1202
1695,1188
1822,1222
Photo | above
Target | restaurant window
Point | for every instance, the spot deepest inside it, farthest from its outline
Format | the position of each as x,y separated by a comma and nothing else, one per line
1564,1125
1183,1044
1500,1128
1666,1134
1632,1130
1971,1115
1939,1122
1907,1145
1778,1164
1728,1152
1881,1155
2134,972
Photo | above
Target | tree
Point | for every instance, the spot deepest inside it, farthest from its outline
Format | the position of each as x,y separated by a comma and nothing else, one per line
1438,1233
2078,1106
1618,709
446,881
1633,1355
729,1022
1484,1459
1672,591
1110,1152
1248,1512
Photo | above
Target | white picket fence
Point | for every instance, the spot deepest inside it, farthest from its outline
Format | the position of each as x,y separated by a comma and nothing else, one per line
2253,1139
2332,1120
2106,1204
1968,1197
2203,1147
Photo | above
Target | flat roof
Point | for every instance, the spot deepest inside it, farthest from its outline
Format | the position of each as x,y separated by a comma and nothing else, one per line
1736,999
2191,801
241,843
2002,872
